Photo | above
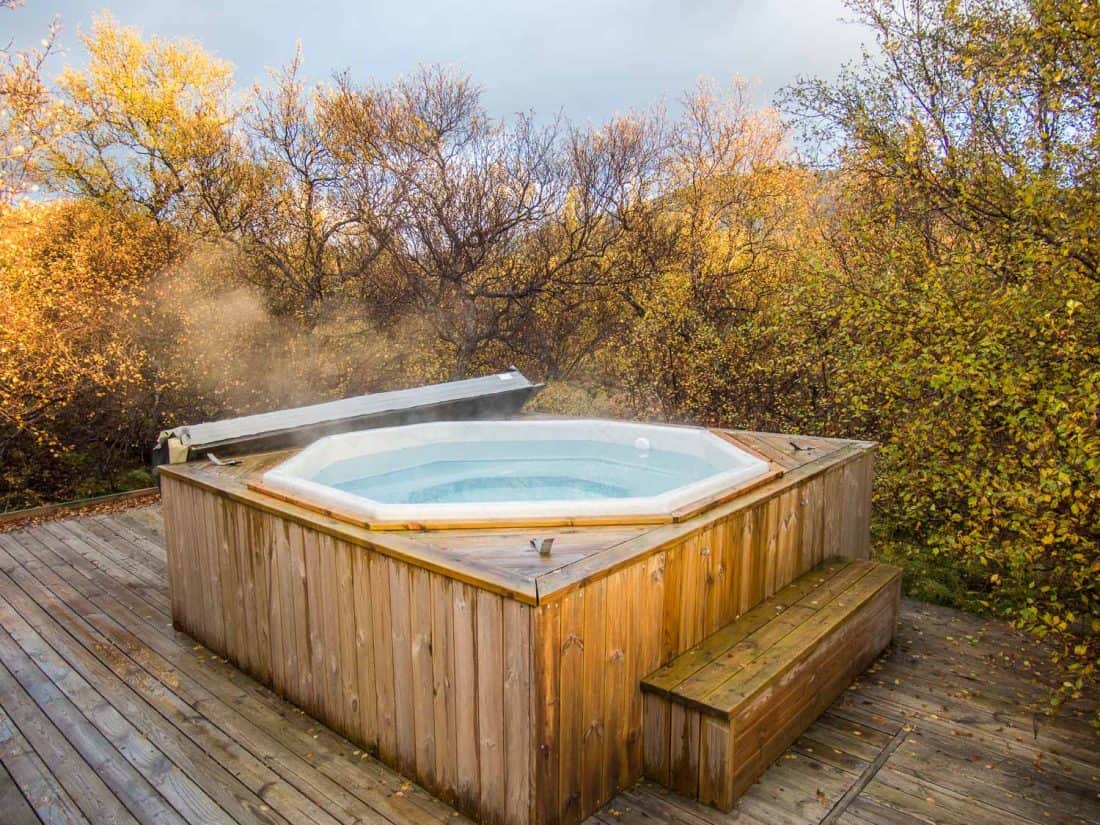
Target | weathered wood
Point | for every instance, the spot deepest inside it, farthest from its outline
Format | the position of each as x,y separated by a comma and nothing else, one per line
655,737
960,684
367,643
421,684
571,710
467,767
401,647
748,691
224,735
592,727
497,558
490,700
383,659
568,637
444,710
683,761
756,502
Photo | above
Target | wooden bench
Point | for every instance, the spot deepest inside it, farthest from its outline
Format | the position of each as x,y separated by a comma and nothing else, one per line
720,713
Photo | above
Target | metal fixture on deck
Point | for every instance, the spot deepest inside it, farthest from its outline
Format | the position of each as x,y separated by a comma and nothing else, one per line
542,545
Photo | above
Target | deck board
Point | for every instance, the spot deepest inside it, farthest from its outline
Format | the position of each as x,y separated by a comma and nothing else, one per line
108,714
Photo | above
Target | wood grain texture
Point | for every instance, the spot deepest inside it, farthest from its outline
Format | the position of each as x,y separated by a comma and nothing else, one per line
430,673
506,683
939,729
498,558
742,696
653,608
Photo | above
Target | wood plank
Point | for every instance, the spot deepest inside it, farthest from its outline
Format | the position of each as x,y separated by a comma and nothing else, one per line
719,642
616,679
135,696
546,629
305,692
183,799
17,811
571,687
935,663
288,726
655,738
171,504
556,583
403,546
422,678
490,695
698,689
260,595
47,799
63,739
231,595
778,657
405,697
367,674
347,645
271,541
262,657
319,701
671,644
767,677
594,790
467,769
209,572
511,573
128,674
716,757
630,760
383,658
684,750
803,610
443,668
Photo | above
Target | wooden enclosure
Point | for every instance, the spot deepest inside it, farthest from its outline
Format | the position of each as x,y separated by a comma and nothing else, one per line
719,714
505,682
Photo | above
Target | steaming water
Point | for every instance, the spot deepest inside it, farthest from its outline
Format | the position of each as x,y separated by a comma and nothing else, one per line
471,472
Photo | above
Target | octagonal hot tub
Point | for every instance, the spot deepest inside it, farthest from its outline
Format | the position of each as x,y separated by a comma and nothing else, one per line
533,471
392,584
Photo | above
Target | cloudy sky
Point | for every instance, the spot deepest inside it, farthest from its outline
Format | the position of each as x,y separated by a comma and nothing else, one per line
586,58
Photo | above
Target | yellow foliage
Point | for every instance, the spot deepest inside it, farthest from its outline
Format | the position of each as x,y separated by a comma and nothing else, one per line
144,120
75,376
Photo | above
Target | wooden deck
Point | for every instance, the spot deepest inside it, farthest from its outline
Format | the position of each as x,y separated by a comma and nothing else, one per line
109,715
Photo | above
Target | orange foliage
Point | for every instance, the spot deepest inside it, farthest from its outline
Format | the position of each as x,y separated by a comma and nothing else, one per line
75,378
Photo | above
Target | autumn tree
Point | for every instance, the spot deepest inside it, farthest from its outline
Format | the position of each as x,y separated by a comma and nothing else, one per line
306,243
475,219
26,113
702,343
958,279
146,123
80,392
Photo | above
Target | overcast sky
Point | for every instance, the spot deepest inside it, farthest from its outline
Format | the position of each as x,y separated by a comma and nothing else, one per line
586,58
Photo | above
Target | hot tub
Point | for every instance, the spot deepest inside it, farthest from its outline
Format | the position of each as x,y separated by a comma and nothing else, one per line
504,679
543,471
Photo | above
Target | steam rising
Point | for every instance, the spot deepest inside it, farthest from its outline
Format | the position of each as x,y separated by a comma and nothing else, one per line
226,344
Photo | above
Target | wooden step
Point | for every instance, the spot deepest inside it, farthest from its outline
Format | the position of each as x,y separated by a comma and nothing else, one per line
719,714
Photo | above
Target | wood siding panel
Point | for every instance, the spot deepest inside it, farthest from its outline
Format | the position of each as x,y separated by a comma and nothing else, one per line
640,617
430,674
514,713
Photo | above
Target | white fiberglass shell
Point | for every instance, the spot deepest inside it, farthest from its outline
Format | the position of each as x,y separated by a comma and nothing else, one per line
477,471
